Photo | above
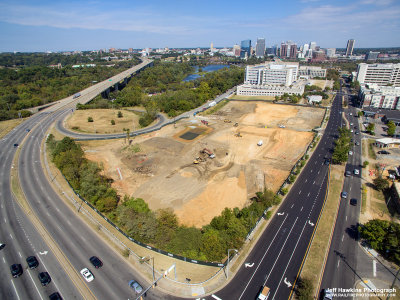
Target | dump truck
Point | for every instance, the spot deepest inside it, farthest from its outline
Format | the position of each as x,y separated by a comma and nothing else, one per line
208,152
263,294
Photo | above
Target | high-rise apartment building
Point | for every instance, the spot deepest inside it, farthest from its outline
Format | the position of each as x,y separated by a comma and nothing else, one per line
271,74
350,47
245,47
380,74
260,47
293,50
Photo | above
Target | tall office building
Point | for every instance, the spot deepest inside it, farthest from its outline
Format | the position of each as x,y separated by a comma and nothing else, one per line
350,47
330,52
212,47
313,45
293,50
260,47
245,47
236,50
284,50
372,55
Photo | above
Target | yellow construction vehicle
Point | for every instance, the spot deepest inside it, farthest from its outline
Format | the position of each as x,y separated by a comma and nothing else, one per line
227,121
238,134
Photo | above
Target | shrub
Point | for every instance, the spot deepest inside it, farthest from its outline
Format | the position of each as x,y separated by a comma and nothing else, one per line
119,114
90,119
112,122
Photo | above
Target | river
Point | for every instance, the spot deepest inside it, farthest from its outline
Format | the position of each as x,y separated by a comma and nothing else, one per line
209,68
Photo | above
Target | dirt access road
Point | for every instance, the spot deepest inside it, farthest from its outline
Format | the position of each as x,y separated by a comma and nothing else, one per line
159,167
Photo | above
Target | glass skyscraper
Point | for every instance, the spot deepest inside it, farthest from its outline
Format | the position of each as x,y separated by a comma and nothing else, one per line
245,48
260,47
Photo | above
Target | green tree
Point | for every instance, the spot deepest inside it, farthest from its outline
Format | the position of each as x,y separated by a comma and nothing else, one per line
371,128
391,128
112,122
305,289
119,115
90,119
381,183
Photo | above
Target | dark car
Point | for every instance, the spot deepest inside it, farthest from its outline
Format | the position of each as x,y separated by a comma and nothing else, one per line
353,201
44,278
326,162
32,262
96,262
2,246
347,174
16,145
55,296
383,152
16,270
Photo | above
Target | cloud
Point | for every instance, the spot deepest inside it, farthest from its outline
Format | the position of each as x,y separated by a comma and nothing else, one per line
377,2
140,20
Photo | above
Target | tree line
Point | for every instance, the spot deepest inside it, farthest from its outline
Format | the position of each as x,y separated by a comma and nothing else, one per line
159,228
31,86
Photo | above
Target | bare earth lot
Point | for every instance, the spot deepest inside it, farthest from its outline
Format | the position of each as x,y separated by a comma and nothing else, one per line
159,167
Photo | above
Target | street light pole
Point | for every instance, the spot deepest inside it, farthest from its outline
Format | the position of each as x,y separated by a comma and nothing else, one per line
227,265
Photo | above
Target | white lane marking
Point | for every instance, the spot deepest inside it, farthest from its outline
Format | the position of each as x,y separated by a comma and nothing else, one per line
308,195
41,260
19,253
5,220
15,290
4,260
299,192
294,250
374,267
215,297
35,285
346,218
338,263
305,180
283,246
259,264
313,182
301,208
342,237
11,236
292,205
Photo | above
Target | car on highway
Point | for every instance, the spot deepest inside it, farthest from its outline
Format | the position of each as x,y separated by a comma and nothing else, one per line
16,270
96,262
32,262
16,145
344,195
353,201
357,143
351,130
2,246
44,278
347,173
356,172
87,274
135,286
350,152
357,133
55,296
327,161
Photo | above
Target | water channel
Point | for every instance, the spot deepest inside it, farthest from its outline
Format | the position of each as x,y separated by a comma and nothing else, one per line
209,68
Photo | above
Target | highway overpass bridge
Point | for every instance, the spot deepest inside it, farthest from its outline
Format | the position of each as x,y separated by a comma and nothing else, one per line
103,87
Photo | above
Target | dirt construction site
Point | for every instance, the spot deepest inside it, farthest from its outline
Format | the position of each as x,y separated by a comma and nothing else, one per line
205,163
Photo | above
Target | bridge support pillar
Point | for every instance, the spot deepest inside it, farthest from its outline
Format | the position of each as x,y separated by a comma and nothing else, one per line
116,86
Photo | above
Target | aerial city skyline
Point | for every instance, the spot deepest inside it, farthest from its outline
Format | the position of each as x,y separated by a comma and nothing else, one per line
27,26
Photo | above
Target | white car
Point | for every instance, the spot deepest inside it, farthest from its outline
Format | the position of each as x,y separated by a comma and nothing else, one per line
350,152
356,172
87,274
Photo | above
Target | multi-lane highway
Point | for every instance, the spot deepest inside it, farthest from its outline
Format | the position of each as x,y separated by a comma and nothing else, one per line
342,258
21,238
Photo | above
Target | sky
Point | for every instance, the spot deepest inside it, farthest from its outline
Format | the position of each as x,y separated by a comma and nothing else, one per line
64,25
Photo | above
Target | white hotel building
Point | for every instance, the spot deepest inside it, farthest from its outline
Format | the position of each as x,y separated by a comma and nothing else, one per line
271,79
386,97
380,74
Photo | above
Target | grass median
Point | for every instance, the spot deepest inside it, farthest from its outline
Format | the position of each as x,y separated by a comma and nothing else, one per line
316,257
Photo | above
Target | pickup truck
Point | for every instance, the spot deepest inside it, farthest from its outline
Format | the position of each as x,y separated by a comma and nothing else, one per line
263,294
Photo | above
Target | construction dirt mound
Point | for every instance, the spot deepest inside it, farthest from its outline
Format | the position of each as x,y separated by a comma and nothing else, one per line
206,163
